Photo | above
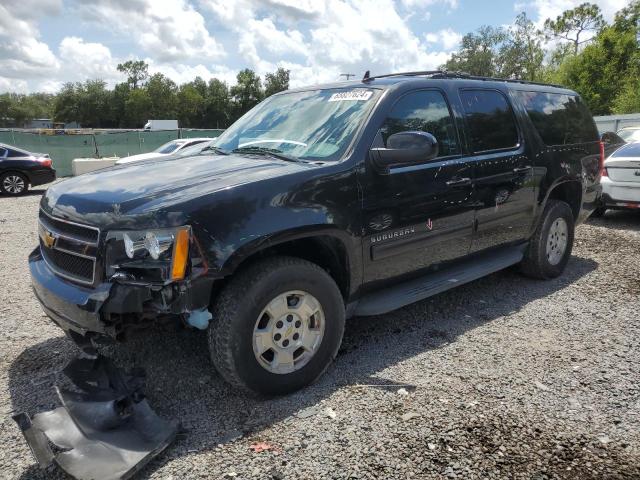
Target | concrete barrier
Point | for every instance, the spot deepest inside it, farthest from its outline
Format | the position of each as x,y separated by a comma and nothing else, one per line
85,165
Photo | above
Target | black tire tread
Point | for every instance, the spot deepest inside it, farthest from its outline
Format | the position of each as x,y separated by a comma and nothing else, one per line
530,264
224,314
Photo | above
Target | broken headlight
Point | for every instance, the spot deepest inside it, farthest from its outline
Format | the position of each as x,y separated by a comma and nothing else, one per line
148,255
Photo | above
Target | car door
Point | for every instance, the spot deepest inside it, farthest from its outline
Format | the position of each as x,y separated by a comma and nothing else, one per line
504,188
417,216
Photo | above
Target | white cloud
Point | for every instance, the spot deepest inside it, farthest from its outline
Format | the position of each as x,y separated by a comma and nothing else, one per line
22,54
447,38
170,30
452,4
552,8
181,73
89,60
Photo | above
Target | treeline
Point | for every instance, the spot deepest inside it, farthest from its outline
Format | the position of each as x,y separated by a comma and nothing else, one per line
600,61
130,104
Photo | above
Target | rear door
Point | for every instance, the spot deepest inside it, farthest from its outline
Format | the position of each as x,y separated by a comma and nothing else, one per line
504,193
418,216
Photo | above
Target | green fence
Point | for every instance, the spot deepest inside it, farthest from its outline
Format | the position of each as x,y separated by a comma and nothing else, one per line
64,148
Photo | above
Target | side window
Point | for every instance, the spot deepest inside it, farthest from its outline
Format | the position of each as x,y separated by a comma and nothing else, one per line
490,120
14,153
3,152
559,119
425,111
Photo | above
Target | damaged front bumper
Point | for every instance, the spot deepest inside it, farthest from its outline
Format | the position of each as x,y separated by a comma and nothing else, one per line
110,309
105,428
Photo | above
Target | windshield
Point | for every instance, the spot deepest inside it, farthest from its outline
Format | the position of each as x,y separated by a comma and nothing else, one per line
311,125
630,135
167,147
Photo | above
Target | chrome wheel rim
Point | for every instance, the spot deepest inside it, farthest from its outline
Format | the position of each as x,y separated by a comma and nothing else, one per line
557,241
13,184
288,332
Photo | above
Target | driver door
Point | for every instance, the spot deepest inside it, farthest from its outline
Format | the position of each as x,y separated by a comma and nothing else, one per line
416,217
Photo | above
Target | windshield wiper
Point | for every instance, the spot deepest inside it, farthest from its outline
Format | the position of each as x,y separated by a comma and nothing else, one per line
215,149
274,152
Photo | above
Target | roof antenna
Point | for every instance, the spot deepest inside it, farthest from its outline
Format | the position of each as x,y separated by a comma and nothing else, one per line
366,77
348,75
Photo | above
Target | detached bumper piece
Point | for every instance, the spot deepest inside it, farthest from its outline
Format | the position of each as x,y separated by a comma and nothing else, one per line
104,431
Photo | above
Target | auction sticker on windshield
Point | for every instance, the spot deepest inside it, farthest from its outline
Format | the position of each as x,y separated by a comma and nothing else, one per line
352,95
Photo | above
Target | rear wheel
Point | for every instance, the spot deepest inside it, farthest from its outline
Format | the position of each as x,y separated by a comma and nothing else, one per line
13,183
550,247
277,326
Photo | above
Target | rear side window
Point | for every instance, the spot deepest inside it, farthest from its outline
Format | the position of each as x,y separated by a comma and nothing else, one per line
559,119
490,120
426,111
16,153
629,150
3,151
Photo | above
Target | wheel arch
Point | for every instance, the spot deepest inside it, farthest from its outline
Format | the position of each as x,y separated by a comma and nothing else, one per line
332,250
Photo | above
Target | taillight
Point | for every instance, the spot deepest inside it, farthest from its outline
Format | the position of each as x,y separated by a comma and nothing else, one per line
45,162
603,171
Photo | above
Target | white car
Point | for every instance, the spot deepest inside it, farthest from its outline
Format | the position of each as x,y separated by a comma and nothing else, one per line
629,134
621,179
169,148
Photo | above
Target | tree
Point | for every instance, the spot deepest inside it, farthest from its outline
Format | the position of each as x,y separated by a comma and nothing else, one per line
137,107
479,53
137,72
217,110
190,106
521,55
66,106
162,93
276,82
572,24
247,92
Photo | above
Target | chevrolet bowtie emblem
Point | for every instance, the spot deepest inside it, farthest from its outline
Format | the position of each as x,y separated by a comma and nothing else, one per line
48,238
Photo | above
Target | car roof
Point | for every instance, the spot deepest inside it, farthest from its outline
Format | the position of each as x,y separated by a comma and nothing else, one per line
428,79
21,150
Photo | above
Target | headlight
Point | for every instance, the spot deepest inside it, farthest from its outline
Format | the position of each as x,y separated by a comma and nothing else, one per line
154,255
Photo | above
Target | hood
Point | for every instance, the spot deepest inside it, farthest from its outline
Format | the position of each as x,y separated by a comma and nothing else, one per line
140,156
108,195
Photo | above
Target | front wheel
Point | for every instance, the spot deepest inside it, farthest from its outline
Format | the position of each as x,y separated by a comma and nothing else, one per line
13,184
550,247
277,326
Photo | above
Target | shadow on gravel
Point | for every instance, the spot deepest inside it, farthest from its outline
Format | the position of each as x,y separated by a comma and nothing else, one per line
619,219
182,384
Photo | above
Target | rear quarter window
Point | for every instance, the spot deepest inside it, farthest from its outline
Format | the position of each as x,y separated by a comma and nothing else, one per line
559,119
629,150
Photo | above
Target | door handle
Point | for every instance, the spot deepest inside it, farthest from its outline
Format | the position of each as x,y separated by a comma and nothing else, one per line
521,169
459,182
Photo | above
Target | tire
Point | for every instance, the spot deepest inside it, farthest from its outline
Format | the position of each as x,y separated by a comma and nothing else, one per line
13,183
598,212
542,260
244,308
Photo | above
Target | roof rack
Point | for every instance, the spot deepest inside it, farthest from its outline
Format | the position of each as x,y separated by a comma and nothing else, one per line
447,74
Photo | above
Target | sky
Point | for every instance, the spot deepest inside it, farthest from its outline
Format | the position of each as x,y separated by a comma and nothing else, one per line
45,43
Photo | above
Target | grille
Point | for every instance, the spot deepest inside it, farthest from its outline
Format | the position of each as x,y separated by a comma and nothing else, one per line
78,268
69,248
73,230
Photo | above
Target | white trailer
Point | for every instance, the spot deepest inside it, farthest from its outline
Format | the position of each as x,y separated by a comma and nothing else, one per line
161,125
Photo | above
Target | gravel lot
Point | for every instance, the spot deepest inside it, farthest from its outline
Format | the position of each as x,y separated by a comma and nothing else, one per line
503,378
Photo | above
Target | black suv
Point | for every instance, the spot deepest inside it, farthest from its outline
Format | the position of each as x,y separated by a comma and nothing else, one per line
320,204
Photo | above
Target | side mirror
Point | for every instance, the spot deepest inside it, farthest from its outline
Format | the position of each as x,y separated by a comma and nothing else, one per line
405,148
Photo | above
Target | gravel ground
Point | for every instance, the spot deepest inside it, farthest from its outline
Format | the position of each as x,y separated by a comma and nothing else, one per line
506,377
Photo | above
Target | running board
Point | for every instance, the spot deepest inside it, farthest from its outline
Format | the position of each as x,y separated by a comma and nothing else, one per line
418,289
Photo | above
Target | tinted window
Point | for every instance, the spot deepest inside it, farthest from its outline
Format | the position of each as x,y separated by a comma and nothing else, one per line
2,152
16,153
629,150
425,111
559,119
490,120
